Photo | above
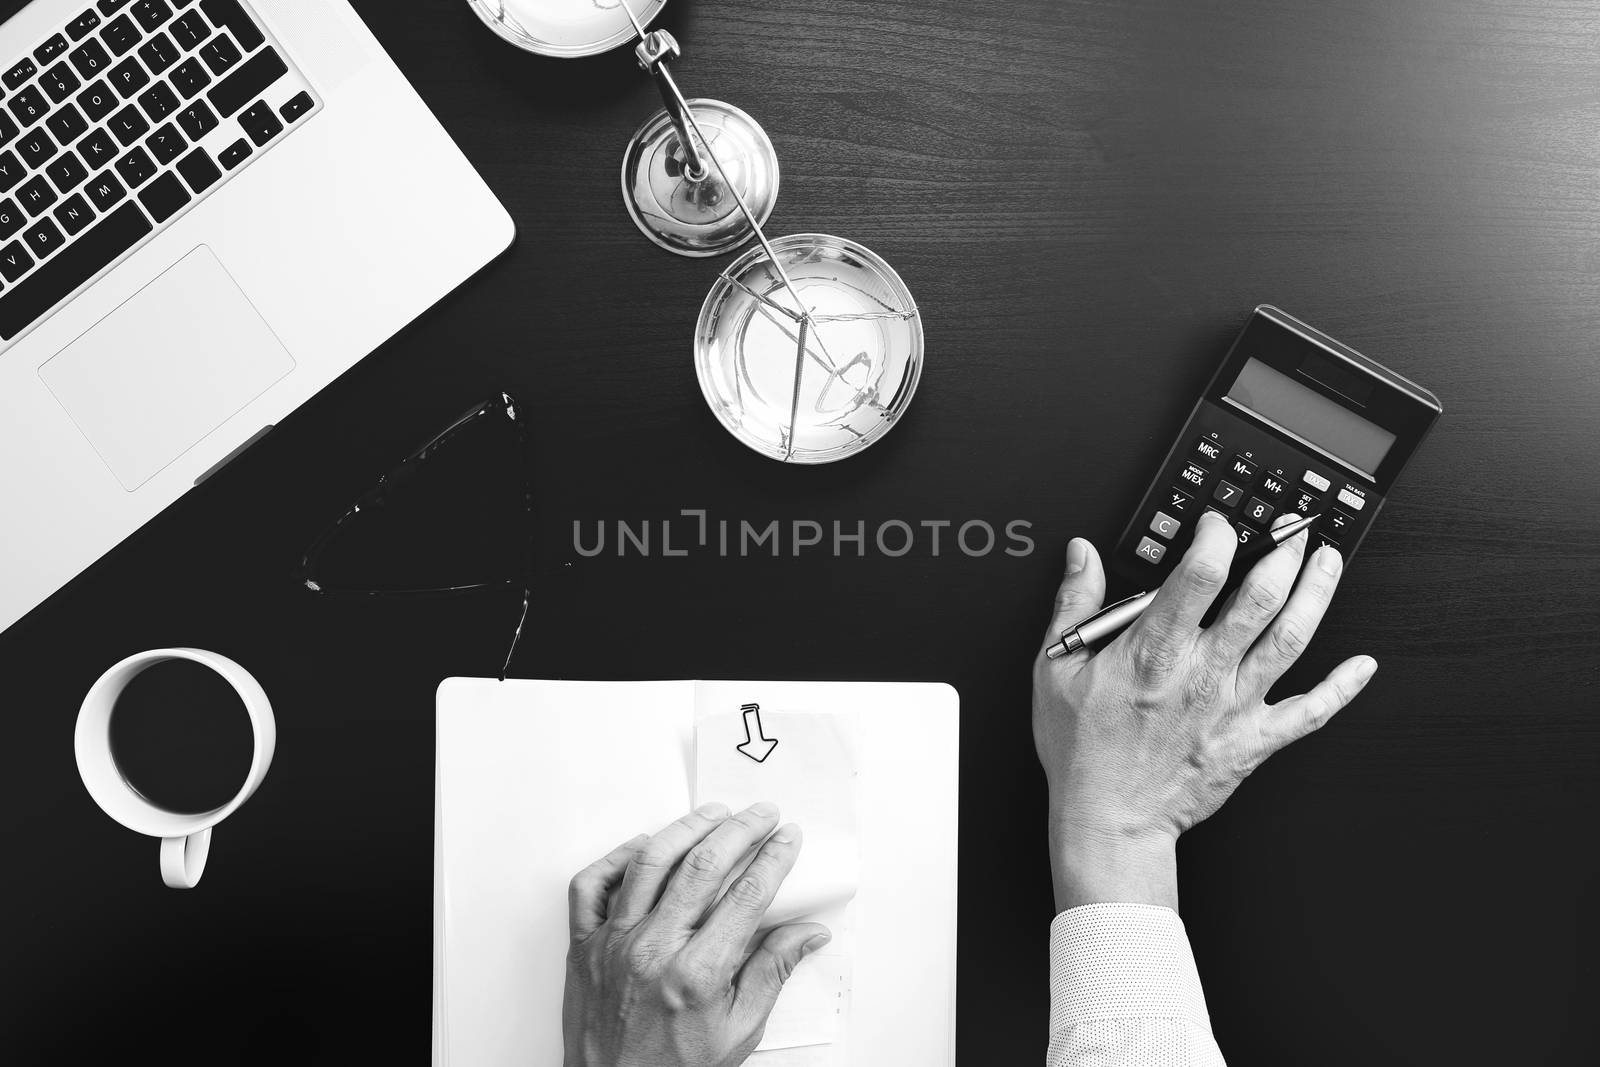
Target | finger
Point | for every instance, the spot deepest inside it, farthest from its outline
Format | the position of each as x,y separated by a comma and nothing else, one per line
1168,628
1256,602
1082,592
736,916
1289,634
653,862
706,866
1291,719
761,978
589,889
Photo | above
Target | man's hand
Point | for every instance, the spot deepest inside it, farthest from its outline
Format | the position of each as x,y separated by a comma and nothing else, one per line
659,977
1149,736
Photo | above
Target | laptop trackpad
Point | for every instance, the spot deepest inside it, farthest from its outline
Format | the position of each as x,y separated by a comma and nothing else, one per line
178,359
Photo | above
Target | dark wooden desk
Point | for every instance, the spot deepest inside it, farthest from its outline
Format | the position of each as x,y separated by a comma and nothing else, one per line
1086,198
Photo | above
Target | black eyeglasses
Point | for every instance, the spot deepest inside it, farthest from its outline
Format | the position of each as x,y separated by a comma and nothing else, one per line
500,409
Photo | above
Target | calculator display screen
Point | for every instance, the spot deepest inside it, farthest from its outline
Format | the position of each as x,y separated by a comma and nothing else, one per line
1306,413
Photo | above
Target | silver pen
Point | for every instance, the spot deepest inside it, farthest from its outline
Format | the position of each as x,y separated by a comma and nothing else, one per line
1108,620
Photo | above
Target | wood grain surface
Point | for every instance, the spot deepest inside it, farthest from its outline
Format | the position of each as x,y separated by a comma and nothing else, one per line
1086,198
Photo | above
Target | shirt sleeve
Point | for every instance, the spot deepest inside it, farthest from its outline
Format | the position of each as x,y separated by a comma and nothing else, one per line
1124,991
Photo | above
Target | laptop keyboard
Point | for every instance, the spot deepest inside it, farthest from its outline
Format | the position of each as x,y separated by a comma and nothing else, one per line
113,127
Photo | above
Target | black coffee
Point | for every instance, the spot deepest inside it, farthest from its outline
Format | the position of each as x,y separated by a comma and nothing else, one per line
181,736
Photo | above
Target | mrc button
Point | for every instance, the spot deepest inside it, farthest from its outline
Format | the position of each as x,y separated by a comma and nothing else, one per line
1207,450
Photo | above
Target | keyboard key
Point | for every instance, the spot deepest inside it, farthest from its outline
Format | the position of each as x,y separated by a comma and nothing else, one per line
190,30
189,77
43,237
1336,523
35,148
1317,481
260,123
81,26
94,250
11,218
199,170
129,125
1246,534
164,197
247,82
166,144
37,195
67,124
235,154
1150,550
1227,494
90,59
1243,469
299,105
8,129
105,190
12,171
60,82
20,75
1258,512
97,101
14,261
151,13
231,17
128,77
221,55
1195,475
1164,525
1207,451
120,35
159,53
1306,504
197,120
136,168
1272,486
68,172
110,7
52,48
28,106
1178,502
158,101
98,149
74,214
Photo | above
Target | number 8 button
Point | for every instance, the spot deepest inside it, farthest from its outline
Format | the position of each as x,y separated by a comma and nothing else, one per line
1258,512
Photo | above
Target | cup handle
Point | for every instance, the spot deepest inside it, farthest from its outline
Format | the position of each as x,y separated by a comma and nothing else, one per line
183,859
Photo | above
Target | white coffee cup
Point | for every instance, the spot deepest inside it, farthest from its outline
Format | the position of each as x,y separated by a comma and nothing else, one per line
185,838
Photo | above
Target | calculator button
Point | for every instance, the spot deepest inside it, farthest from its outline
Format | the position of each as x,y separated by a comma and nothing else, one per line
1195,475
1317,481
1272,486
1246,534
1306,503
1351,499
1178,501
1207,450
1242,468
1322,540
1337,522
1258,511
1227,494
1165,525
1150,551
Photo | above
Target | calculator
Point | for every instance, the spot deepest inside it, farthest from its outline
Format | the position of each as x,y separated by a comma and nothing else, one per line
1293,423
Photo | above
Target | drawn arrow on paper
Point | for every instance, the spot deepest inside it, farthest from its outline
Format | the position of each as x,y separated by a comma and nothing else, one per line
756,745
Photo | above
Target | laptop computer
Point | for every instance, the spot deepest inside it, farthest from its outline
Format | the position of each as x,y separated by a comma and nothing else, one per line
209,209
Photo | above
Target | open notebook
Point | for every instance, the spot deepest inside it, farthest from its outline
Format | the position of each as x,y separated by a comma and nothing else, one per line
536,779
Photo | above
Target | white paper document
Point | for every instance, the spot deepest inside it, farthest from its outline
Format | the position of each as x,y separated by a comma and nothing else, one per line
537,779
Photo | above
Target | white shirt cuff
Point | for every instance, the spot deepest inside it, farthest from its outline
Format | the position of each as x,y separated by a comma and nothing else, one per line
1122,961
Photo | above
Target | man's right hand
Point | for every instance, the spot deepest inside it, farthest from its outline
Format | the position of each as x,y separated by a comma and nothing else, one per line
1149,736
